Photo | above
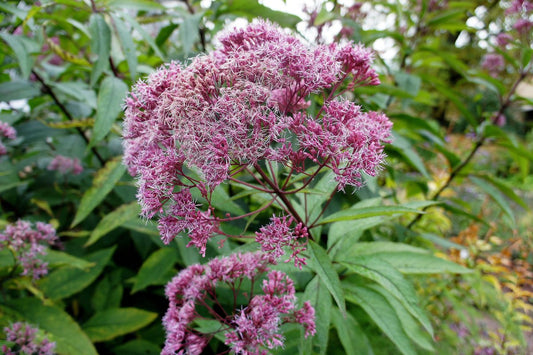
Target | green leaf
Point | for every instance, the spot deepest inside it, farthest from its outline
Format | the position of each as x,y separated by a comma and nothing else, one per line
443,89
108,292
505,189
66,281
127,44
16,90
410,326
252,9
159,263
63,330
358,213
321,264
23,47
56,258
351,334
144,35
367,248
527,53
100,45
384,274
418,263
188,31
408,82
103,183
317,293
113,220
405,148
382,314
110,99
111,323
146,5
138,347
496,196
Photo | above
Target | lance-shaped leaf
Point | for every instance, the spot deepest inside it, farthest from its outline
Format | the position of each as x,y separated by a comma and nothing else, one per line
384,274
382,314
103,183
110,99
60,327
321,264
317,293
159,264
351,334
100,45
113,220
127,44
111,323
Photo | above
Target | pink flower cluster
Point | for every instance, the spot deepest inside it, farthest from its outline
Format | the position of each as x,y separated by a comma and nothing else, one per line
28,245
8,132
522,10
249,328
66,165
24,337
493,63
278,234
192,127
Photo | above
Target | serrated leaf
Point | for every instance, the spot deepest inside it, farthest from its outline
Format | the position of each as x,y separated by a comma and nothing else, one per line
23,47
317,293
351,334
382,314
103,183
127,44
418,263
406,149
368,248
144,35
159,263
319,261
410,326
111,323
505,189
188,31
56,258
67,281
63,330
358,213
109,105
17,90
137,347
383,273
252,9
146,5
113,220
496,196
100,45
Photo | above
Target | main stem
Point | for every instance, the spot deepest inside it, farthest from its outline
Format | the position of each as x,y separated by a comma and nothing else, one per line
280,193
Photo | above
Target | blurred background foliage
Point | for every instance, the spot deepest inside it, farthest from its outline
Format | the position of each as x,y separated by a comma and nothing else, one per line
457,183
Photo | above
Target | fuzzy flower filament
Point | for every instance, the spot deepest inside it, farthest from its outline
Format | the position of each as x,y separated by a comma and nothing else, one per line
249,327
24,337
189,129
28,245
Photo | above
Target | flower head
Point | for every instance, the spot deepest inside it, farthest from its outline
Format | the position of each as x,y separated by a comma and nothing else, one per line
187,127
29,245
24,337
8,132
66,165
250,328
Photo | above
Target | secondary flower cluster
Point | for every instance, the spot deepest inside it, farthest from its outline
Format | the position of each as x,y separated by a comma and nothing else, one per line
249,328
24,338
243,104
28,245
278,234
66,165
8,132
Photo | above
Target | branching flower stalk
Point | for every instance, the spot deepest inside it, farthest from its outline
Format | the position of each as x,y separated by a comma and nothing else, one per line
236,116
230,115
